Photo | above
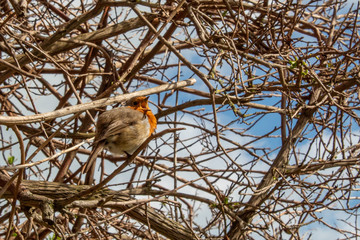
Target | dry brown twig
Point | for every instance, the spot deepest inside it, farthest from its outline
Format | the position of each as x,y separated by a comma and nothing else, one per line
271,139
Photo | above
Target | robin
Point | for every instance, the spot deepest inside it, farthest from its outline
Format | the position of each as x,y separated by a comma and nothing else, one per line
122,130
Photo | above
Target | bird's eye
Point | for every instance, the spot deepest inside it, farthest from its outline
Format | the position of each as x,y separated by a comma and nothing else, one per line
135,103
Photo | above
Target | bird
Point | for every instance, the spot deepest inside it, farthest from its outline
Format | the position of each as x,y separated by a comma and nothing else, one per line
122,130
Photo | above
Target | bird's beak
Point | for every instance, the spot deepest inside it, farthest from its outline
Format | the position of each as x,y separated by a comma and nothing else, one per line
144,103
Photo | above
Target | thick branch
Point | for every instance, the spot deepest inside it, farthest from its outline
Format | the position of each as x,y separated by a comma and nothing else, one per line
139,212
91,105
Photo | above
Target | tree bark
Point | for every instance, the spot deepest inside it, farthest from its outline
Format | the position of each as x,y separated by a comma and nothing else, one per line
35,193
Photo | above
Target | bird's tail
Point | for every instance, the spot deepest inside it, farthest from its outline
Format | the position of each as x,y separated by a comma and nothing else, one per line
92,158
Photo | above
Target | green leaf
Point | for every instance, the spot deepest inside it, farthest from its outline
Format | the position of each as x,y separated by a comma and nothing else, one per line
213,205
293,64
11,159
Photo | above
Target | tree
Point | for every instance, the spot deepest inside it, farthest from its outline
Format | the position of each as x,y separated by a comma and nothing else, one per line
263,145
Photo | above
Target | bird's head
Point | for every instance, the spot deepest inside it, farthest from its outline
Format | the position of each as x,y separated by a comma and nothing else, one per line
139,103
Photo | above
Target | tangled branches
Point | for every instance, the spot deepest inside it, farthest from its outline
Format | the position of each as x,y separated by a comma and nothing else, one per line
270,145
